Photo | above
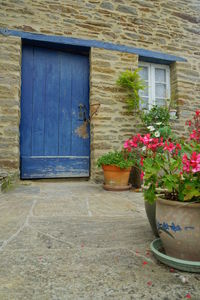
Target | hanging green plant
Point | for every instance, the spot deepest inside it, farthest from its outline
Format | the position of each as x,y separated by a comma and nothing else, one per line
132,82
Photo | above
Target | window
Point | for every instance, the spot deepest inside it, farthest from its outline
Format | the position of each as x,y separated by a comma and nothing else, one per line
157,79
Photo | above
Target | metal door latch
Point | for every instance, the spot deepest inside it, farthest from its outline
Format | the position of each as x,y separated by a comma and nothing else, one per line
82,115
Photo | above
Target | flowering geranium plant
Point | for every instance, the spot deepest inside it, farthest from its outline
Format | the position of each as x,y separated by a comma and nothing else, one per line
194,127
172,166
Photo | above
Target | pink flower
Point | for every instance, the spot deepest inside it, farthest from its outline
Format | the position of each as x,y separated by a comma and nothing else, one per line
147,139
195,135
178,147
169,147
142,175
195,162
186,163
192,163
127,145
189,123
133,142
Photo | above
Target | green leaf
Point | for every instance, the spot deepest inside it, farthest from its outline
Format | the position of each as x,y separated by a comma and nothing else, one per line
150,194
191,194
170,181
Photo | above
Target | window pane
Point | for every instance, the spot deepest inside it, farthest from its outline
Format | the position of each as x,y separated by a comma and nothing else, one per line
160,102
144,73
160,90
144,103
160,75
145,92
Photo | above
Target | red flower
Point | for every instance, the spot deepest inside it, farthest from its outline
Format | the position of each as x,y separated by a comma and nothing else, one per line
186,163
169,147
188,296
192,163
195,135
197,112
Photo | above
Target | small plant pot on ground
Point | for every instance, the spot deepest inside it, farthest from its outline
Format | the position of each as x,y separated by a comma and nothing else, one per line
115,178
178,224
117,167
135,178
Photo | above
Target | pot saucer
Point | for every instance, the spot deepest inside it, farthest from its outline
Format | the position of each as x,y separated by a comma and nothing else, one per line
117,188
180,264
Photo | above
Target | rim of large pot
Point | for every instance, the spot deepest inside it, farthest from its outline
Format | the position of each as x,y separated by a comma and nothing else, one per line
116,167
179,203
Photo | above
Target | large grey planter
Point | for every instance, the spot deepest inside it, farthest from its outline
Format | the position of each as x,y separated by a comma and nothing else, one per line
151,215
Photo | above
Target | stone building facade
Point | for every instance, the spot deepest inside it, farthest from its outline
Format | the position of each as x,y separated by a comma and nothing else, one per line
161,26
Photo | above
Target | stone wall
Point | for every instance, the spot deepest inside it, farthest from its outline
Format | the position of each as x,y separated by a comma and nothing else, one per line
10,78
112,124
185,91
165,26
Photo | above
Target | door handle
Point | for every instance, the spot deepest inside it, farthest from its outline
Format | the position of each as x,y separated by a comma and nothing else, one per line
82,115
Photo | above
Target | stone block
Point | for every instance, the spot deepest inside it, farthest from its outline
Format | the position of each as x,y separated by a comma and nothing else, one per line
10,85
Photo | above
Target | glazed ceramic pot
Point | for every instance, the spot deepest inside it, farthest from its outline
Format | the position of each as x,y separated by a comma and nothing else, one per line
116,178
178,225
151,215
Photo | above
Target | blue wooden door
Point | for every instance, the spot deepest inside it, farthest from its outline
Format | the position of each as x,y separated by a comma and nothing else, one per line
54,138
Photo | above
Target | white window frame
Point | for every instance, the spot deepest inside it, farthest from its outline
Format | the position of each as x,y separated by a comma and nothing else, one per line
151,81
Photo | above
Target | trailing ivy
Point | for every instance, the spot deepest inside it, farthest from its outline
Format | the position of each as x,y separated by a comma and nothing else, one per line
133,84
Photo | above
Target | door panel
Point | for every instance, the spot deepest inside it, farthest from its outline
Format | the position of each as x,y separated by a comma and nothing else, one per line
54,84
38,102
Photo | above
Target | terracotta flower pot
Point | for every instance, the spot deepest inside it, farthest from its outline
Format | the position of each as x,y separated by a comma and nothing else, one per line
178,224
116,178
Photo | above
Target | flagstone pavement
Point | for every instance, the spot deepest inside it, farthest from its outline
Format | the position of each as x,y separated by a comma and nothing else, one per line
73,240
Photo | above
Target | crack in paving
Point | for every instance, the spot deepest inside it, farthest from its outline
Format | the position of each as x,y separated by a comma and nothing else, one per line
25,224
88,208
51,236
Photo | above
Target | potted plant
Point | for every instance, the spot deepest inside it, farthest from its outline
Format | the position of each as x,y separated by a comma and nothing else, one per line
116,167
175,168
156,123
146,145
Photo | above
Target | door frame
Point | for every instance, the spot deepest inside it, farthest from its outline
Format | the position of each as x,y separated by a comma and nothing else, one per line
81,50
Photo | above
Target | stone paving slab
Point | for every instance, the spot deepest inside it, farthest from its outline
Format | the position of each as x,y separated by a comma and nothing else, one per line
73,240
